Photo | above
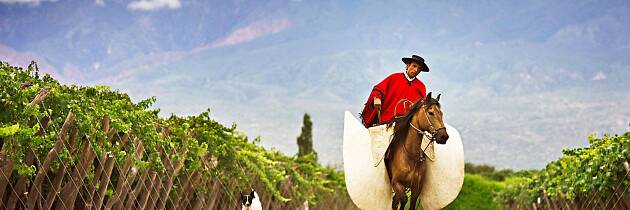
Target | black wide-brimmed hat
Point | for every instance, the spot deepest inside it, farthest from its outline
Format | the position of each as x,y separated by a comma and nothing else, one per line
417,59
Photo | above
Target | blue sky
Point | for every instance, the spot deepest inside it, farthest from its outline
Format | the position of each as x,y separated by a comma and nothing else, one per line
517,77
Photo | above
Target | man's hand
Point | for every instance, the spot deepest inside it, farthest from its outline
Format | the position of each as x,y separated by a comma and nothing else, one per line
377,103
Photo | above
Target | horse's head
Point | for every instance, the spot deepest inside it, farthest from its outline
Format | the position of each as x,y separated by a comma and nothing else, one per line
429,119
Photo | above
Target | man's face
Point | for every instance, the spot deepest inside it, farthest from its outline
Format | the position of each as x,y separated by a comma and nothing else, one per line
413,69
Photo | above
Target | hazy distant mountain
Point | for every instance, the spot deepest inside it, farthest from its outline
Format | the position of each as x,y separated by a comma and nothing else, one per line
521,80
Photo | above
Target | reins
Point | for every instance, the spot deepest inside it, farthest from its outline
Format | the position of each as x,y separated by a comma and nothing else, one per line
378,114
404,101
431,135
423,133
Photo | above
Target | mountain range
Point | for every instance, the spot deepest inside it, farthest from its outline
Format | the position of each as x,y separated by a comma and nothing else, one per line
520,80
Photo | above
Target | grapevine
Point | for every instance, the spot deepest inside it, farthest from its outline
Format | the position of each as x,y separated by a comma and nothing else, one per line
191,149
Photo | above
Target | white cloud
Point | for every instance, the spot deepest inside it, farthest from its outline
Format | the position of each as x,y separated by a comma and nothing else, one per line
252,31
599,76
100,2
152,5
31,2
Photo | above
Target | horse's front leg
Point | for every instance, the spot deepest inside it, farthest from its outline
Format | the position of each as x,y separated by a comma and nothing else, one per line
400,197
416,185
415,193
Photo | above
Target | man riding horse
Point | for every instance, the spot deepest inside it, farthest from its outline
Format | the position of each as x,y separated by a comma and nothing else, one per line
410,157
393,96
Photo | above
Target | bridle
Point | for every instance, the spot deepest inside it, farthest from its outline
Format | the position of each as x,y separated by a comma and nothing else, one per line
432,135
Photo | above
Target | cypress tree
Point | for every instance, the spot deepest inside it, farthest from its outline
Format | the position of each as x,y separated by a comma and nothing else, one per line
305,139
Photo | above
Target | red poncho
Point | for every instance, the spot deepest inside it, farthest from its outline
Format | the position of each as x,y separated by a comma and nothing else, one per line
391,90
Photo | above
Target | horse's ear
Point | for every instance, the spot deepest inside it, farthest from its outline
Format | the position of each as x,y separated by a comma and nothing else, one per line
429,95
438,98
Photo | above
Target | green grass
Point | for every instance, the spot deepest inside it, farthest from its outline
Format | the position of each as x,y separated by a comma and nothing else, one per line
477,193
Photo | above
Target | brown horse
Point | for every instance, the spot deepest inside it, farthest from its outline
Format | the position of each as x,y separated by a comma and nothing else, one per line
405,157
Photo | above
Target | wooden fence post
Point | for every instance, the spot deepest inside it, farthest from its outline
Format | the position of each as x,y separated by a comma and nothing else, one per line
61,172
20,187
155,191
99,168
36,187
7,164
6,170
105,178
125,179
184,188
185,201
137,190
71,189
144,198
172,173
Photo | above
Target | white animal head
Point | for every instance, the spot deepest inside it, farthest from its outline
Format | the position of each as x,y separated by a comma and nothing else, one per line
250,201
246,200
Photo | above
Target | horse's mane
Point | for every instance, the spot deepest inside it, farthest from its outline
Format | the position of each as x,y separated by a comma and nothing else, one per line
401,126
